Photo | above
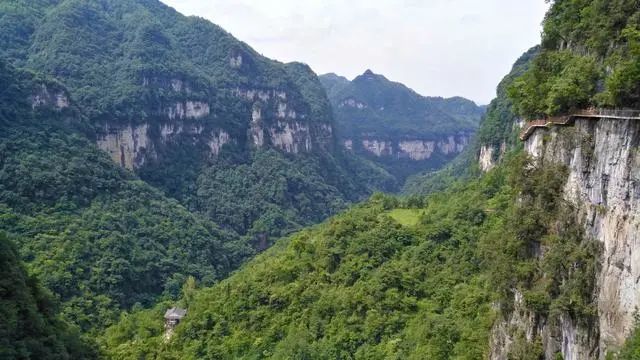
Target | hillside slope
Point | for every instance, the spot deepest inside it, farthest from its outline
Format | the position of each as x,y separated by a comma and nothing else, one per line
386,279
496,136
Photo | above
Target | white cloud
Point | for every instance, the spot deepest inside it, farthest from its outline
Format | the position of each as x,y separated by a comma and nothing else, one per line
437,47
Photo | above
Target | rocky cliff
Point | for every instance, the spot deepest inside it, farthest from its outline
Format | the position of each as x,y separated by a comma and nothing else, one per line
416,150
603,187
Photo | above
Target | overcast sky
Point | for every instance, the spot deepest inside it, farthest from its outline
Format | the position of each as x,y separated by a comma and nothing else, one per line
436,47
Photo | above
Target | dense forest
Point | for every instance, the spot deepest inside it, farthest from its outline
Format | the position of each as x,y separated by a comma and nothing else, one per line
94,235
272,247
31,327
409,278
589,57
175,82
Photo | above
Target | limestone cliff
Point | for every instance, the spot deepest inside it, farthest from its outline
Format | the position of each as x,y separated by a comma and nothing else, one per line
416,150
274,121
603,186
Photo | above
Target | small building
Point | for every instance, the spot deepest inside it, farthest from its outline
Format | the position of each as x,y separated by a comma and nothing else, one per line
172,317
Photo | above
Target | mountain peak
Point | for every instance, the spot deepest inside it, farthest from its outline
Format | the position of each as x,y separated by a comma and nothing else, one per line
368,73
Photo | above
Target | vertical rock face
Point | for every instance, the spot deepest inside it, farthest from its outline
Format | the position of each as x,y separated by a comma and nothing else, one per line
44,96
291,137
378,147
276,122
487,158
417,150
603,158
125,144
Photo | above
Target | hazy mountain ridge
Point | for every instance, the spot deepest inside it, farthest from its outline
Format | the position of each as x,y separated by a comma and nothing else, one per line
394,126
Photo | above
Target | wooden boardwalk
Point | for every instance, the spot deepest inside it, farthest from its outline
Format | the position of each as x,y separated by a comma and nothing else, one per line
591,113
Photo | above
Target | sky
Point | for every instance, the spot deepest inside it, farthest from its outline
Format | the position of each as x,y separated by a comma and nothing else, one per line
436,47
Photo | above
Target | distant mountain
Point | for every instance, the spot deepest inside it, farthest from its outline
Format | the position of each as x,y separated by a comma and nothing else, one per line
396,127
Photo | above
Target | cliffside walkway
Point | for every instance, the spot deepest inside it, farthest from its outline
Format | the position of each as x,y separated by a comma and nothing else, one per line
592,113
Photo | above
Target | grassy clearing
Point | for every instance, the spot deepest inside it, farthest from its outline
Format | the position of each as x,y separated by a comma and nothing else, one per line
406,217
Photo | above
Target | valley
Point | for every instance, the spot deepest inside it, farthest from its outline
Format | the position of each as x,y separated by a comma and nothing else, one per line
151,161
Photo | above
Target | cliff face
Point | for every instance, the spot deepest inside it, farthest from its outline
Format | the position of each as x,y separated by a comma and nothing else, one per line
604,188
268,119
416,150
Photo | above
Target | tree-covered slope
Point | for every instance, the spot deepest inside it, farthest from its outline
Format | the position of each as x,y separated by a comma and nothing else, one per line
410,279
194,111
95,235
31,327
589,57
392,125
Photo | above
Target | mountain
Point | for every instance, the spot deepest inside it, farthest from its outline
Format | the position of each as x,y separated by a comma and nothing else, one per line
588,58
94,234
397,128
408,279
244,140
124,197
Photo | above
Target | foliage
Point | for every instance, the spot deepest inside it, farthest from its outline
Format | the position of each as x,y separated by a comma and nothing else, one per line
497,131
129,62
97,237
406,217
589,57
362,285
31,327
631,348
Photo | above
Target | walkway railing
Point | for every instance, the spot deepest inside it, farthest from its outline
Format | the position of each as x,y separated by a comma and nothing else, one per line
593,113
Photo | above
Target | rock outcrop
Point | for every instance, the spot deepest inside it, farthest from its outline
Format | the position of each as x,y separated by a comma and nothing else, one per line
415,150
603,186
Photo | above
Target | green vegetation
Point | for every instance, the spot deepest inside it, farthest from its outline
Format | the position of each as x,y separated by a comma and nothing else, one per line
406,217
130,62
363,286
630,350
590,56
497,131
97,237
31,328
391,110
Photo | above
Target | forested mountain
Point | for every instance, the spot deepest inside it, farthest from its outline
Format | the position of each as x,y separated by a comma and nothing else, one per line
397,128
588,58
389,278
531,260
242,139
92,233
